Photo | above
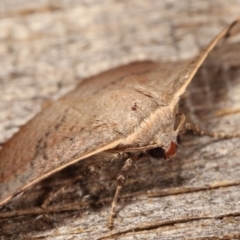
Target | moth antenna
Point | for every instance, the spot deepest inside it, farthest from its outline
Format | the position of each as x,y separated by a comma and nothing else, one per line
218,135
182,121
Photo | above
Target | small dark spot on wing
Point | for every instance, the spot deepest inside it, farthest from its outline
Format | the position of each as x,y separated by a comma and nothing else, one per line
135,107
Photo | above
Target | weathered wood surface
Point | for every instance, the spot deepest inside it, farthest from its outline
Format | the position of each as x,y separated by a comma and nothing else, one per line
45,49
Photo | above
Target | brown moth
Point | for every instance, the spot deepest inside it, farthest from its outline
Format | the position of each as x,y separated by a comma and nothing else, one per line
129,111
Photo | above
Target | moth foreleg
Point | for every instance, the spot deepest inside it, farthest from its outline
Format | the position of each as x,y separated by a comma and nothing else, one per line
56,193
121,179
219,135
102,160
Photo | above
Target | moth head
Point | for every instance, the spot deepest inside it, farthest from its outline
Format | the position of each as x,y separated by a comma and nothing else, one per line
165,152
168,142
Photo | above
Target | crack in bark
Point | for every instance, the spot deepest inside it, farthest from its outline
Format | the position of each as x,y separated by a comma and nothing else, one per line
155,225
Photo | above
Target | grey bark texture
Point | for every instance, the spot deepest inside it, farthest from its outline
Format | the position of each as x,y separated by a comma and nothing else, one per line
47,47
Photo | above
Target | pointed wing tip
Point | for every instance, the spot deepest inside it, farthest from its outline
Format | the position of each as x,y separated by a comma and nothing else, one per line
233,28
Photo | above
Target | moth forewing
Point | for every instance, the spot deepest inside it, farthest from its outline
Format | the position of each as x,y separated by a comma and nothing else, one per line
128,109
185,76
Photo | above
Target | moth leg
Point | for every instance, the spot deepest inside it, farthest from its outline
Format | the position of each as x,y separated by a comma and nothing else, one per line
121,179
54,194
219,135
89,171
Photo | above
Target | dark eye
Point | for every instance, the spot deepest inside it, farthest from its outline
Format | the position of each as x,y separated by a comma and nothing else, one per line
157,153
178,139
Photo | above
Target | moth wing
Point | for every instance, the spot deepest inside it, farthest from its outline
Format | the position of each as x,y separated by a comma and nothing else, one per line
93,118
185,75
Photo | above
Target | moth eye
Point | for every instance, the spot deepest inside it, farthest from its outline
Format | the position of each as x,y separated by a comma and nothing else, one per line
178,139
157,153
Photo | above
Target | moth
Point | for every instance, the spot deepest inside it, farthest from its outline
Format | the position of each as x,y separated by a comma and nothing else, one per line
127,112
